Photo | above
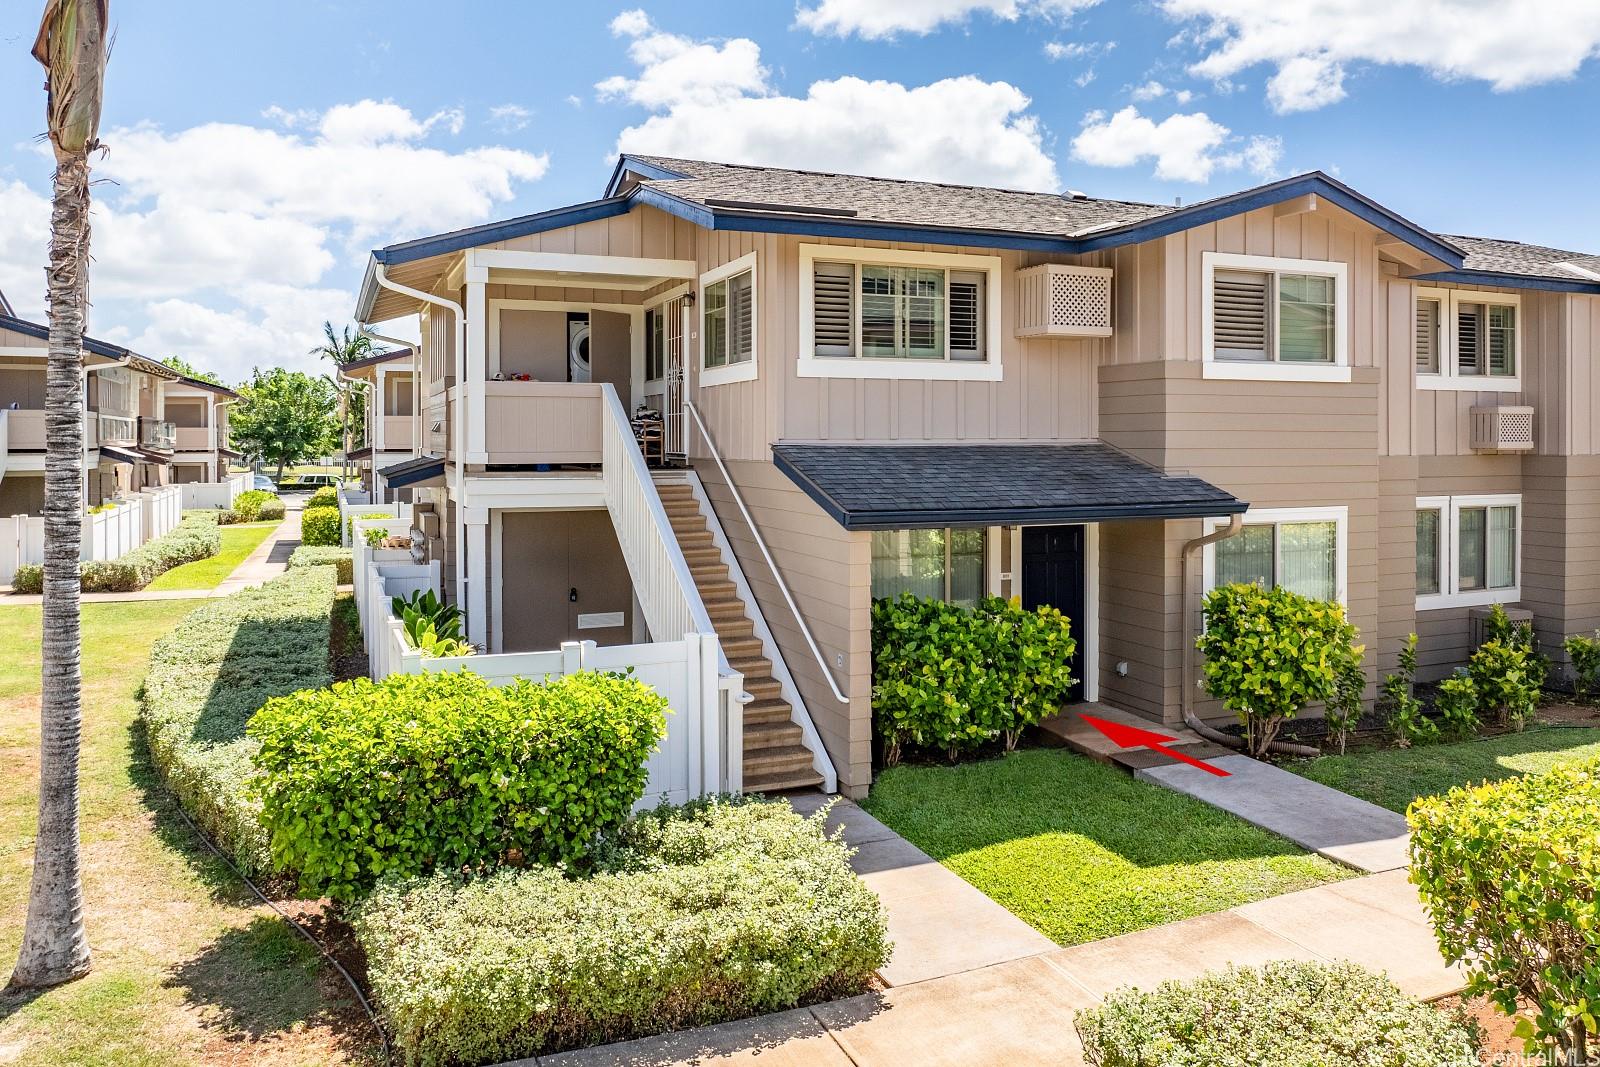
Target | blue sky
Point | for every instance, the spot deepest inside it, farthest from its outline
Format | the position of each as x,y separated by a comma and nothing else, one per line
257,151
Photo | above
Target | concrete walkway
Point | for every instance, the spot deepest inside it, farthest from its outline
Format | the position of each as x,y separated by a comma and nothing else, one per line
270,559
1337,825
1020,1013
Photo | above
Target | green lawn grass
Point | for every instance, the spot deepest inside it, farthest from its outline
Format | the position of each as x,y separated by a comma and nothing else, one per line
238,541
1081,851
188,968
1394,777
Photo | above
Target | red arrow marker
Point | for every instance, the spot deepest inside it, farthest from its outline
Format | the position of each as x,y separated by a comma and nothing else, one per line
1124,736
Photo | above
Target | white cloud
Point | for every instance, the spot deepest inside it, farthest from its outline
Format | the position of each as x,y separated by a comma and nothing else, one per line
1077,49
243,229
876,19
1154,90
508,118
958,129
1510,44
1184,147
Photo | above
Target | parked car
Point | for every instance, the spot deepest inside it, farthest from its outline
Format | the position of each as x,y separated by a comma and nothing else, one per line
262,482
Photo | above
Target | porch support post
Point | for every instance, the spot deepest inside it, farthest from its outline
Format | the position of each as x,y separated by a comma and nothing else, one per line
477,369
477,607
375,412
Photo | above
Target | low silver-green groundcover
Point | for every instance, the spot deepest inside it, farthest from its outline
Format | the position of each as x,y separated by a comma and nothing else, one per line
696,915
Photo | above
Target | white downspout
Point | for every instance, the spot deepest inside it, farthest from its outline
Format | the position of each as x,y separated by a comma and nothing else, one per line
382,278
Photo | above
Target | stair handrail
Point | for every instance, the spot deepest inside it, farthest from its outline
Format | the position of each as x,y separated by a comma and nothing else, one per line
761,543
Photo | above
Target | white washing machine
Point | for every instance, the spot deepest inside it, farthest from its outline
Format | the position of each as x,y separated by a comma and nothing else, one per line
578,349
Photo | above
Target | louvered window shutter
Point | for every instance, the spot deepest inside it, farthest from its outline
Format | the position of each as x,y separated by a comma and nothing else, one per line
833,286
742,339
1469,338
1427,336
967,327
1241,321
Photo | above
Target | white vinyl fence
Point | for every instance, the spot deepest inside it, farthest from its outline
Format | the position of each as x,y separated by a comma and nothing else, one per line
703,751
107,535
214,494
353,502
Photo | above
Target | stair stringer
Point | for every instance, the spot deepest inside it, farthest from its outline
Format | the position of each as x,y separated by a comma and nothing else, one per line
798,713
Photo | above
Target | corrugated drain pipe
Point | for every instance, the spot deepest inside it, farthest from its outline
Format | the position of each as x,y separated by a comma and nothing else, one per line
1190,719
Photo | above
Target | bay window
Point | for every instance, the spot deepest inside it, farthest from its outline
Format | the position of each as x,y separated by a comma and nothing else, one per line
1467,340
1274,318
941,564
1468,550
1301,550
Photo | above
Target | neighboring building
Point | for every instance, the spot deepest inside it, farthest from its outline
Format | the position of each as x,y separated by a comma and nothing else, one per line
128,441
960,391
391,427
198,411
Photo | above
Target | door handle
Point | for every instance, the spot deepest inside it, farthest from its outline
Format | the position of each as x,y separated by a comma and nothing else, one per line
573,595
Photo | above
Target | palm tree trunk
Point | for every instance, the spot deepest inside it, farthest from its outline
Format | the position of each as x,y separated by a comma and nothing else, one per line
55,946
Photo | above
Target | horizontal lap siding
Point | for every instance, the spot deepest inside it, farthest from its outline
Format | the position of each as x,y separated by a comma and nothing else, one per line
1140,615
828,570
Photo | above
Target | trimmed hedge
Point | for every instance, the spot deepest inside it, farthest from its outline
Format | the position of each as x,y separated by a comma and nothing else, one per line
270,510
227,517
340,559
210,675
709,912
325,496
445,769
1510,874
250,503
320,527
1286,1014
195,537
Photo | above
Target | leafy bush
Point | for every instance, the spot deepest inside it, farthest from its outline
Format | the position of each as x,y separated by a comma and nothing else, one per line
1457,706
325,496
952,678
1584,652
351,520
29,578
1270,652
1509,873
323,556
1345,709
1286,1013
1508,680
250,502
227,517
210,675
195,537
1406,721
446,770
319,526
431,626
270,510
710,912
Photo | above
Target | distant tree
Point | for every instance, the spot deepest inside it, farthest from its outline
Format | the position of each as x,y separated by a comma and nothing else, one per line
189,370
283,417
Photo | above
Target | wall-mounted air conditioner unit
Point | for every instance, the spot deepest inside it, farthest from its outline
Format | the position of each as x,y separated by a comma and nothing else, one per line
1061,300
1502,428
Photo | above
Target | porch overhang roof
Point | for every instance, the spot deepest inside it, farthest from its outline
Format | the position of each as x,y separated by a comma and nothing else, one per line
119,455
899,487
413,472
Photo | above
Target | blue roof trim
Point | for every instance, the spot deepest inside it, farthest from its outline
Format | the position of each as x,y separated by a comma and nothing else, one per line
472,237
1509,281
638,166
1335,192
698,214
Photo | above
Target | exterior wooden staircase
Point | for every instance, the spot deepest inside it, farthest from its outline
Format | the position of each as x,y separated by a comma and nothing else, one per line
775,755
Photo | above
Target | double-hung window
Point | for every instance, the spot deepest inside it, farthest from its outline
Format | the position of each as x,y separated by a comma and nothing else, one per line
1272,318
1298,549
1467,340
943,564
889,313
728,322
1469,550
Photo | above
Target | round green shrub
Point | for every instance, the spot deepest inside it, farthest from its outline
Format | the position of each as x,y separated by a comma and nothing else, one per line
319,526
227,517
29,578
1286,1014
325,496
951,678
270,510
249,505
700,914
446,770
1270,652
1510,874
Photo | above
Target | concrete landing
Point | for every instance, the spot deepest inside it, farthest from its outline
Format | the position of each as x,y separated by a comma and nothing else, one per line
939,923
1069,730
1333,824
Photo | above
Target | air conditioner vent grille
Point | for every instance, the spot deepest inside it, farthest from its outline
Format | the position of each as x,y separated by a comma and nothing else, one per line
1061,300
1502,428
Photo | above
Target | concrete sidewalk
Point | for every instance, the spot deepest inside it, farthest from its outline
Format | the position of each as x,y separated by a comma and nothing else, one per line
1020,1013
270,559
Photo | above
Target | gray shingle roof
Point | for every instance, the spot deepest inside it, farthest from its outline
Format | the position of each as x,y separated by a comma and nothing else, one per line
895,200
1537,261
884,487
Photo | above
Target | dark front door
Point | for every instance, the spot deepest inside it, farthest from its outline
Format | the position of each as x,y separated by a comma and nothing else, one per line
1053,573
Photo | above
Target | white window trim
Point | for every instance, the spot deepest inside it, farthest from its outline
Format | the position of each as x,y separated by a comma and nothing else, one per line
1339,514
1449,544
733,372
658,303
1272,370
809,365
1450,376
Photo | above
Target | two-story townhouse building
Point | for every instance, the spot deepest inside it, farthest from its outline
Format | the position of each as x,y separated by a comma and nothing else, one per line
198,411
851,386
128,442
391,415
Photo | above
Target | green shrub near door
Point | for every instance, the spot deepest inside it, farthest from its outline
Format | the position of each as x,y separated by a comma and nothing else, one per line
319,527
